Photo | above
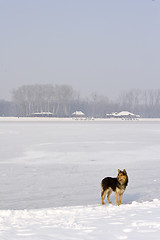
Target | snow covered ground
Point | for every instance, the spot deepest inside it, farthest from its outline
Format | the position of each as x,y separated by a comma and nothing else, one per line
50,174
129,221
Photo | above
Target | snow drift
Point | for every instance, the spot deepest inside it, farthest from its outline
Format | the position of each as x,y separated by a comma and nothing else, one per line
129,221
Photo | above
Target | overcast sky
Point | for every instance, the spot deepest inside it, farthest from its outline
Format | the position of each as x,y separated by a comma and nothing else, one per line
104,46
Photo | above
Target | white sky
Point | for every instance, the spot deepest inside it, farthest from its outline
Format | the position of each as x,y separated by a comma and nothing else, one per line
103,46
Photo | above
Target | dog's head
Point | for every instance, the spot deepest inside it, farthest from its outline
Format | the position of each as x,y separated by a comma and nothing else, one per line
122,177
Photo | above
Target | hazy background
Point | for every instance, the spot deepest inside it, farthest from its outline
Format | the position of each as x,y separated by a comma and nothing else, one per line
105,46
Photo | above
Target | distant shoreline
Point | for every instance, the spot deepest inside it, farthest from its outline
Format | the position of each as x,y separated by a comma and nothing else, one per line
48,119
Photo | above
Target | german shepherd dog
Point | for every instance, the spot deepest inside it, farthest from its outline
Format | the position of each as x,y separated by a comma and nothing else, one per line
118,185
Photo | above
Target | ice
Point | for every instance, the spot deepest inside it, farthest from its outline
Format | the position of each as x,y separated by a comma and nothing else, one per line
50,174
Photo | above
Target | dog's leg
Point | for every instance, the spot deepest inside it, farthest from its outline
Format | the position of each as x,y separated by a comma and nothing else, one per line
109,193
103,194
116,196
120,198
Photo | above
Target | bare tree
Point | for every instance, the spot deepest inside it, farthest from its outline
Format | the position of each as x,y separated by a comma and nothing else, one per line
39,98
62,100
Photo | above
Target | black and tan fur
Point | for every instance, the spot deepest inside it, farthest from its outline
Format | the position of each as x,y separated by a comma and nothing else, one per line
118,185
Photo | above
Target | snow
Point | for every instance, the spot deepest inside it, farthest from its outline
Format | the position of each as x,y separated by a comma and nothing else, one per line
125,113
50,174
129,221
78,113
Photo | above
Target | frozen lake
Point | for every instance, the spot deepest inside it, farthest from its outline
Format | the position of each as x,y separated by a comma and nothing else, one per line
49,163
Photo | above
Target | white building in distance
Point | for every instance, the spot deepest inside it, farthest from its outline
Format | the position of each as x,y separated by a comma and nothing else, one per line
123,114
78,114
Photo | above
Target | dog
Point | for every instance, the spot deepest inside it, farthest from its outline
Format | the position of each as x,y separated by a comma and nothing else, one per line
118,185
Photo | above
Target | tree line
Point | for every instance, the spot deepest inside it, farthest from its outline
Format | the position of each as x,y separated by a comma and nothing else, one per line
63,100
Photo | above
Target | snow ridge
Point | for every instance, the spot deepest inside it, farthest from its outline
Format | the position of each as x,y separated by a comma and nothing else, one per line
128,221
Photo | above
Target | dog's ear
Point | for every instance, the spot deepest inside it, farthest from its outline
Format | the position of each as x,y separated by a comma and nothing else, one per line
119,171
124,170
